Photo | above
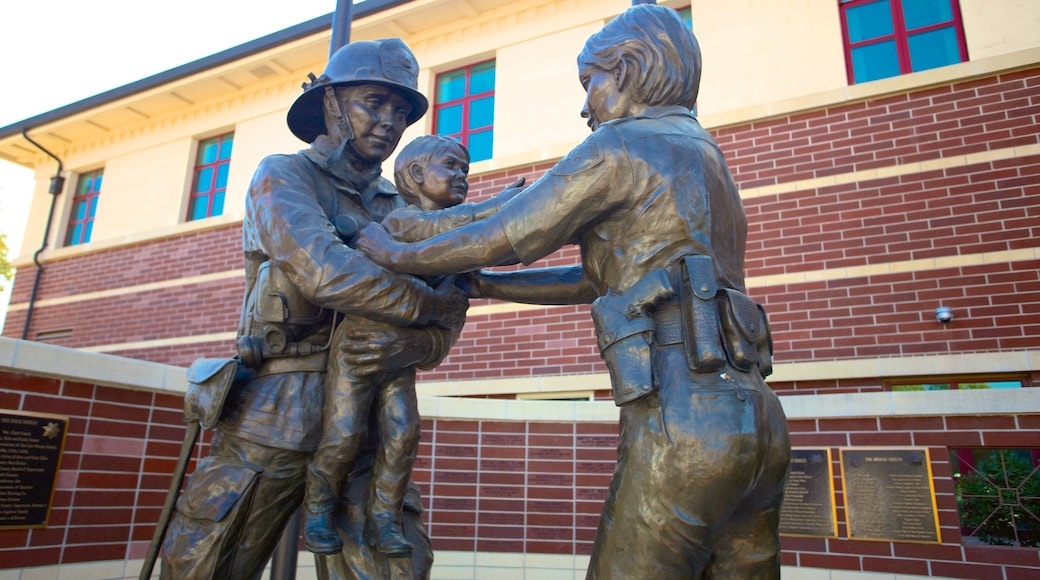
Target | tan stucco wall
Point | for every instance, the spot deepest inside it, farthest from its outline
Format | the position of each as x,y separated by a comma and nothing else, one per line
756,52
996,27
760,58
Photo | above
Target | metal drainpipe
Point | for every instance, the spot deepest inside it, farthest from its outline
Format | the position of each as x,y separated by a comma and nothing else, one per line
56,187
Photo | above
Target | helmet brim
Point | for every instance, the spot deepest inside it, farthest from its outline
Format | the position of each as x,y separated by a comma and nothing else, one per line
306,117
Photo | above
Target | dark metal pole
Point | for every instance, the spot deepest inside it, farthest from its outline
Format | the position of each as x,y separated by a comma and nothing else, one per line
341,21
283,562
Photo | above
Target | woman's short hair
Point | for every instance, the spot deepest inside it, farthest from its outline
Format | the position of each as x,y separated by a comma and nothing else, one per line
421,151
661,55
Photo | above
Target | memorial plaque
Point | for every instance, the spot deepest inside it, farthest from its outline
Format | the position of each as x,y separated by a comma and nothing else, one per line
30,453
808,508
889,495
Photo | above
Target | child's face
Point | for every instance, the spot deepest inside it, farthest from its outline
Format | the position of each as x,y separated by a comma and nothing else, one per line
444,181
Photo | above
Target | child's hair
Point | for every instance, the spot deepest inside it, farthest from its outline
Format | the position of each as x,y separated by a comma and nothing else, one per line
421,150
661,56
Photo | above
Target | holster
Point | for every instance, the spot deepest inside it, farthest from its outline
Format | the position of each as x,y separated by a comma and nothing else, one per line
745,330
700,314
623,331
209,382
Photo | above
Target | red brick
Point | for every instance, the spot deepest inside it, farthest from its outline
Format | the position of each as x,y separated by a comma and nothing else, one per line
896,566
28,383
962,570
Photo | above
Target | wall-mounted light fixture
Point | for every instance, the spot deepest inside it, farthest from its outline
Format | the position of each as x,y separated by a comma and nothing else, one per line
944,314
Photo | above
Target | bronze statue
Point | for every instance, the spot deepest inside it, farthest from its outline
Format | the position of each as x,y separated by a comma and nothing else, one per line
299,273
431,175
704,448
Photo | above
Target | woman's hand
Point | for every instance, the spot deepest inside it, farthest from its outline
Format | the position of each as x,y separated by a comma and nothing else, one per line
377,244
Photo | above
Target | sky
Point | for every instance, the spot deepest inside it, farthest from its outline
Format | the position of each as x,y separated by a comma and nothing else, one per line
57,52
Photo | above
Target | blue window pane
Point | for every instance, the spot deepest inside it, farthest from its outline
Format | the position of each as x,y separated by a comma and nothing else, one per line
482,78
482,113
875,61
225,147
96,186
480,146
687,16
204,180
451,86
918,13
88,228
208,151
934,49
79,210
218,203
199,206
222,174
869,21
449,120
93,206
73,237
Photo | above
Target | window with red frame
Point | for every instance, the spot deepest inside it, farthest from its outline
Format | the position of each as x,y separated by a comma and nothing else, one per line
464,108
84,207
887,38
211,175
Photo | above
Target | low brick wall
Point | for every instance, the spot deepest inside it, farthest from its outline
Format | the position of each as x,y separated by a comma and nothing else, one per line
507,484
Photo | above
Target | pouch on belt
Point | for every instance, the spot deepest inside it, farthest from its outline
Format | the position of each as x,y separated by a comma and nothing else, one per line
745,330
209,382
700,314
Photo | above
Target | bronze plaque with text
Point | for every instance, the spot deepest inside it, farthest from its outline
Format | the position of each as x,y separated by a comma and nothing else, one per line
889,494
30,453
808,508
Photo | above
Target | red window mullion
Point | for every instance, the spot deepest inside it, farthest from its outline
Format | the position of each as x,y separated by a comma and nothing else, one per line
847,44
467,99
899,32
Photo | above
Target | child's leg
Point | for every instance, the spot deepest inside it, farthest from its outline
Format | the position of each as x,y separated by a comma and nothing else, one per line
348,402
399,431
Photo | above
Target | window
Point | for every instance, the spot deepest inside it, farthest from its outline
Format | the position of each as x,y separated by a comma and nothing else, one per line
687,15
998,495
887,38
84,207
949,384
211,175
464,107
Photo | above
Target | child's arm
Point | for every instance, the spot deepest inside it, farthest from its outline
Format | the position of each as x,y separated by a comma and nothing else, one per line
411,224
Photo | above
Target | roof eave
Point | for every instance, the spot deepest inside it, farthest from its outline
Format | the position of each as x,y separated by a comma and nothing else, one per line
273,40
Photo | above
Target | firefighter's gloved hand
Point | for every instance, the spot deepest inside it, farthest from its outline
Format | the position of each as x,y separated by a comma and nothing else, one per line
447,304
384,349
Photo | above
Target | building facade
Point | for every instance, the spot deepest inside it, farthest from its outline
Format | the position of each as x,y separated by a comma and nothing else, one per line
888,155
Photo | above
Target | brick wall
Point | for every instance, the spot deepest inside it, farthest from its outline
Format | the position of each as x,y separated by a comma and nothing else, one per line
973,207
120,450
491,485
955,557
965,117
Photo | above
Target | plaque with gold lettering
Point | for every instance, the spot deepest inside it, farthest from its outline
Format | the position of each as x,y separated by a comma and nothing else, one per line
808,508
31,445
890,494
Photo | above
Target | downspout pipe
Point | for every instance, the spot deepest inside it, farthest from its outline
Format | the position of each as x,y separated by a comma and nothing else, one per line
56,187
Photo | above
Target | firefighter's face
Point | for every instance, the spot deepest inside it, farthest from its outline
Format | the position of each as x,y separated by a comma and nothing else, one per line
377,115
